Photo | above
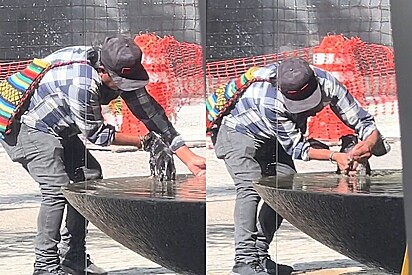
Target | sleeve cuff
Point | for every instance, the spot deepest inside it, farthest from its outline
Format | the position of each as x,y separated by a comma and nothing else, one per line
301,151
382,147
177,142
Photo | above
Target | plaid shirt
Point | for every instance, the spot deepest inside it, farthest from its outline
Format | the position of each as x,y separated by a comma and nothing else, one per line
261,113
69,53
68,102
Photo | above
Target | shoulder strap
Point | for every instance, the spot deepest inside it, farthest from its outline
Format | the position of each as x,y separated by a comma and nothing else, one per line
226,96
37,69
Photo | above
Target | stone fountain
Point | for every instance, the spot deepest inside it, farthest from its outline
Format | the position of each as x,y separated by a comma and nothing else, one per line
164,222
361,217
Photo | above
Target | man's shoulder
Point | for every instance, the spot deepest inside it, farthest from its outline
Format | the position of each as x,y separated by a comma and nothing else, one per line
75,68
68,54
76,73
84,70
319,72
268,71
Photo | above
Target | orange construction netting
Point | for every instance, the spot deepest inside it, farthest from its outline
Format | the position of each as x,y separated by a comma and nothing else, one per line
367,70
176,78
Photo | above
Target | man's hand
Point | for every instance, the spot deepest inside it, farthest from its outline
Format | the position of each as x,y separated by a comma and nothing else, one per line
161,157
361,151
195,163
345,163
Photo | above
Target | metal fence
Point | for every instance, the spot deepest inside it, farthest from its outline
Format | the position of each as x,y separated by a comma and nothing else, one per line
247,28
38,27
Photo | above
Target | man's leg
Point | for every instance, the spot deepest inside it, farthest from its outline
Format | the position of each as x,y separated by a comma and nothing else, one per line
72,248
238,151
41,154
274,162
269,220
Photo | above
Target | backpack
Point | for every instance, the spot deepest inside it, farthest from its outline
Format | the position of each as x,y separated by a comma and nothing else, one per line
16,90
224,98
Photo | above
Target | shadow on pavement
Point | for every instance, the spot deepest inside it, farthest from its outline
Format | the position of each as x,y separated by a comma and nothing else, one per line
20,244
220,191
99,239
142,270
19,200
15,244
302,268
220,234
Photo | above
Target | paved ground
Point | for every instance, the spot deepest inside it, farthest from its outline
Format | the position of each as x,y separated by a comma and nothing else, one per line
19,200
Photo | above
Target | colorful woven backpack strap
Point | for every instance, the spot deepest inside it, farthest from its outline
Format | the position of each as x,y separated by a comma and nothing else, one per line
219,103
14,88
17,88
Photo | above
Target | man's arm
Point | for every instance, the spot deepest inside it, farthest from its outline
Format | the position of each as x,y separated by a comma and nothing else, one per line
127,140
364,149
152,114
350,112
294,143
342,159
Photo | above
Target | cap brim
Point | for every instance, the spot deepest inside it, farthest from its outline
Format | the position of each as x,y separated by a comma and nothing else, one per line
300,106
127,84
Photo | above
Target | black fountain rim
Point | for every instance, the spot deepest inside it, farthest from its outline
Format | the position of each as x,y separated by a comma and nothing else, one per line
187,175
337,194
70,189
152,199
395,170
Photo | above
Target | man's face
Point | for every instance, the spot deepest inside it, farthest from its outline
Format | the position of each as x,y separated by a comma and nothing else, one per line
109,89
107,94
107,80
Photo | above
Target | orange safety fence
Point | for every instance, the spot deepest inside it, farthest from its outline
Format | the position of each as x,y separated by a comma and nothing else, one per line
8,68
367,70
176,78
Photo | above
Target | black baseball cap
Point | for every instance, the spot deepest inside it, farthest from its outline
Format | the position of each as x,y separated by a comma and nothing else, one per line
298,84
122,59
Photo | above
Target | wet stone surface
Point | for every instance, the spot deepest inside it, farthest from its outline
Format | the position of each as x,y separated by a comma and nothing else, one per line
359,217
380,183
162,221
184,188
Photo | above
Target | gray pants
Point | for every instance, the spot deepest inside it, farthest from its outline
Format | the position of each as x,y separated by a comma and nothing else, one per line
52,163
247,160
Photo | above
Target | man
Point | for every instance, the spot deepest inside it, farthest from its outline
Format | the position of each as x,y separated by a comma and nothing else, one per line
262,133
67,102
